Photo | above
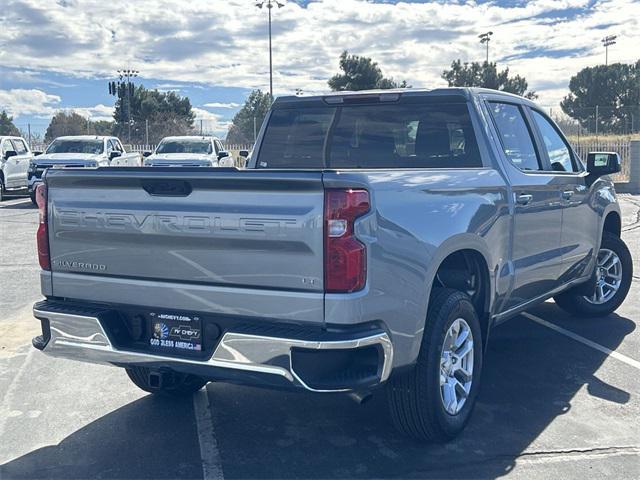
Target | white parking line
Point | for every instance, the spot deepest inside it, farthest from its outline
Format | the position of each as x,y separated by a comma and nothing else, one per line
13,203
209,454
585,341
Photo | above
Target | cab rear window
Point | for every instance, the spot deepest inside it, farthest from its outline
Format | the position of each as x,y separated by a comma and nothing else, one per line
370,137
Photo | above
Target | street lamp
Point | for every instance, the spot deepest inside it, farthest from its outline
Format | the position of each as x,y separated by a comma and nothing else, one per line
607,41
269,4
486,38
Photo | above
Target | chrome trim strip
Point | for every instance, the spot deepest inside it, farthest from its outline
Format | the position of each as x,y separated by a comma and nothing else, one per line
83,338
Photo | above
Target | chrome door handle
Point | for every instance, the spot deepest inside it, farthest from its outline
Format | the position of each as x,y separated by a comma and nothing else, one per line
524,199
567,195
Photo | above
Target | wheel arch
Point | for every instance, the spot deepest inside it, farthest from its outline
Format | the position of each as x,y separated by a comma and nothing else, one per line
612,223
473,254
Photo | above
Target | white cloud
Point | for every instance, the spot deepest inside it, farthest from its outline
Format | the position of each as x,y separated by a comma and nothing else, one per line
225,43
20,101
97,113
221,105
211,123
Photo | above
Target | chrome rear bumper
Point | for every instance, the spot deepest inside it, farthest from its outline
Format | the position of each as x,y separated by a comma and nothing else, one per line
82,337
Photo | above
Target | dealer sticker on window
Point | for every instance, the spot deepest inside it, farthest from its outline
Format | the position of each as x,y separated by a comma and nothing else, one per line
176,332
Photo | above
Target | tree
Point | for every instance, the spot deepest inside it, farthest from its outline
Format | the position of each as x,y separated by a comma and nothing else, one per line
486,75
166,113
67,123
7,126
614,88
255,108
102,127
361,73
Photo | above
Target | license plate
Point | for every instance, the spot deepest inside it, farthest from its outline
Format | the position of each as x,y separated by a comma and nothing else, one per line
177,333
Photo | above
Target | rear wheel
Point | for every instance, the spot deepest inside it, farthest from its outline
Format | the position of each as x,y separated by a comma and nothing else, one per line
32,196
165,382
434,400
614,271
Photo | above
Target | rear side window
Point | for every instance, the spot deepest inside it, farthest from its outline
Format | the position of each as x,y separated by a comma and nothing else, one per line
371,136
515,136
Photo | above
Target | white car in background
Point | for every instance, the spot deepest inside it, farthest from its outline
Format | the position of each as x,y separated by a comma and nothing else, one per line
189,151
15,157
80,151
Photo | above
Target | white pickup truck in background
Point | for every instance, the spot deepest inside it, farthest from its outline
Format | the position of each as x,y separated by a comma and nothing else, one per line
15,157
80,151
189,151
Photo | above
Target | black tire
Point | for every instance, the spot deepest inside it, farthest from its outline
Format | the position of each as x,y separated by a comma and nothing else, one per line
573,300
172,383
1,189
414,397
32,196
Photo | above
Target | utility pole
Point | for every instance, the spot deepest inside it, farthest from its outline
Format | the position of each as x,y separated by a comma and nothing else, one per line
254,129
29,129
486,38
607,42
146,130
269,4
201,127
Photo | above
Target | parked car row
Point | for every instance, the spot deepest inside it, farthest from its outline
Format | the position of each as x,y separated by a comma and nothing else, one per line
22,169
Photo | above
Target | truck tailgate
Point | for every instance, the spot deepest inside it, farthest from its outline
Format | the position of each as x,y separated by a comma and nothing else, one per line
224,228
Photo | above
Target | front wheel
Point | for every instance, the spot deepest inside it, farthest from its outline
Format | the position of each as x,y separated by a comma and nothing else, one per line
613,274
1,190
434,400
165,382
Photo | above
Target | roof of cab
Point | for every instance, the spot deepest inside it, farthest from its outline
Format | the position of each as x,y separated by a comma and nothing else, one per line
191,137
335,98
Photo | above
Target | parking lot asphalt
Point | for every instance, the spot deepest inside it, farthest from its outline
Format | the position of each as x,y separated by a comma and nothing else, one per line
560,398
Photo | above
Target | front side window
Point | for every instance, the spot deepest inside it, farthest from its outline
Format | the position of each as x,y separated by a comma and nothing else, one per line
515,136
557,149
185,146
19,145
371,136
92,147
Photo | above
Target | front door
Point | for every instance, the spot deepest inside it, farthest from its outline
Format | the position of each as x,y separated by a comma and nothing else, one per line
580,222
536,254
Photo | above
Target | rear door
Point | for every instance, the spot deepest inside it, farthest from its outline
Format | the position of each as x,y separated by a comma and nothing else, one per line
249,229
536,250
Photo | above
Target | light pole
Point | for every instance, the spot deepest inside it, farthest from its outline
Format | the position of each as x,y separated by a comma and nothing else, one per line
608,41
124,88
486,38
269,4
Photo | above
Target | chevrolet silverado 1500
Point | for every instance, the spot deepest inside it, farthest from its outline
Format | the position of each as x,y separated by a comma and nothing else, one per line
373,242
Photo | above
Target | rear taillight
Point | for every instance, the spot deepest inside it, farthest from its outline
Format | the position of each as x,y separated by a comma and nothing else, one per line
43,232
345,258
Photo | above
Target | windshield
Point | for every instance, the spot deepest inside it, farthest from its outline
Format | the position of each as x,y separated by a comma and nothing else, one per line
438,135
185,146
93,147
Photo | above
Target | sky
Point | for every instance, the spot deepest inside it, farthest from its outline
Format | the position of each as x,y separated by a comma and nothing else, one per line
60,54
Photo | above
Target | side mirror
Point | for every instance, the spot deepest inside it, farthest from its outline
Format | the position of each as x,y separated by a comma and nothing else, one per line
114,154
603,163
146,153
244,153
222,154
36,153
10,153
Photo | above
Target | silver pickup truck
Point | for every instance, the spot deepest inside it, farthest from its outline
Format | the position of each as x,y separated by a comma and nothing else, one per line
374,240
